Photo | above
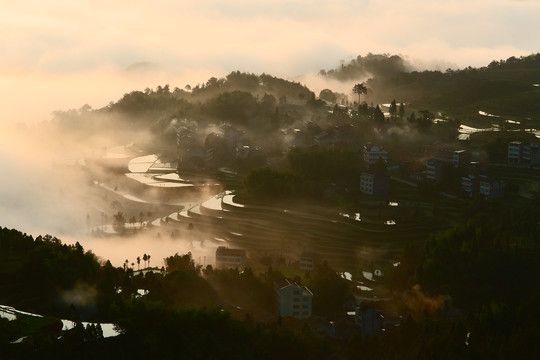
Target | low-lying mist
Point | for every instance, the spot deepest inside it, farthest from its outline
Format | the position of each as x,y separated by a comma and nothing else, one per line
48,185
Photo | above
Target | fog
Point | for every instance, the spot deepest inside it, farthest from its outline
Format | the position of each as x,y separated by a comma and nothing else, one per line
61,56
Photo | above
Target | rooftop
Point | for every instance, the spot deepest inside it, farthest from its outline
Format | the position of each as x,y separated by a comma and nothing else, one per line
225,251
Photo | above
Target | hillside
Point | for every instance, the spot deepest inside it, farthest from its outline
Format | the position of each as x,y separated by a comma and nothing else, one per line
507,87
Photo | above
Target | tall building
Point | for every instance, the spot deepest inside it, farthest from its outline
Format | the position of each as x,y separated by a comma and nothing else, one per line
435,170
460,157
292,299
376,184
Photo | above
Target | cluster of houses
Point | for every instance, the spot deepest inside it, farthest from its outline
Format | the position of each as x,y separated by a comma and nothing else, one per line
294,300
201,144
374,181
523,154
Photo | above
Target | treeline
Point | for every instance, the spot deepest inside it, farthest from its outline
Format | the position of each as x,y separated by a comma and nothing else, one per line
180,316
486,271
371,65
495,88
309,172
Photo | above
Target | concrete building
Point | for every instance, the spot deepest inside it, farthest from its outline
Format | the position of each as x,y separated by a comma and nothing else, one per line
490,189
514,152
292,299
526,154
375,184
460,157
373,154
308,260
470,184
435,170
230,258
369,319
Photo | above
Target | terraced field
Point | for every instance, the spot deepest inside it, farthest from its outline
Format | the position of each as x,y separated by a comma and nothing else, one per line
342,241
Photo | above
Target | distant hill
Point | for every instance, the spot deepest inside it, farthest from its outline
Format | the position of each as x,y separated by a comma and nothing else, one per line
506,87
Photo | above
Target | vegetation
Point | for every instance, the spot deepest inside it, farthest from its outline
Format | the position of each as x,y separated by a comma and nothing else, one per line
463,291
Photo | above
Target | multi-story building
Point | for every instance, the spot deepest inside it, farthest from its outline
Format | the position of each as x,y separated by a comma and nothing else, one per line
292,299
230,258
470,185
490,189
373,154
376,184
435,170
369,319
514,152
519,153
460,157
308,261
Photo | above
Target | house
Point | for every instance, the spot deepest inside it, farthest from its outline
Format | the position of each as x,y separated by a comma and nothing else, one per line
292,299
514,152
323,139
490,189
368,318
230,258
519,153
375,184
435,170
373,154
308,260
460,157
470,184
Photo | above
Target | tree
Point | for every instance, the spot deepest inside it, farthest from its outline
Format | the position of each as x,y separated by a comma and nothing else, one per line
328,95
268,101
119,223
378,115
401,111
393,108
359,89
138,262
145,258
148,258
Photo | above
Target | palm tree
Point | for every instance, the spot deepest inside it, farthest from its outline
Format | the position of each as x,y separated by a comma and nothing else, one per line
145,258
148,258
359,89
138,262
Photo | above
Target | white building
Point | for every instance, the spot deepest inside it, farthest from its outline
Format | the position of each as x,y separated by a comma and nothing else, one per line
435,169
491,189
514,152
373,154
519,153
230,258
308,261
460,157
374,184
292,299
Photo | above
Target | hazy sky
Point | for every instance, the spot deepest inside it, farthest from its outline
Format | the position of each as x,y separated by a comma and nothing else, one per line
61,54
